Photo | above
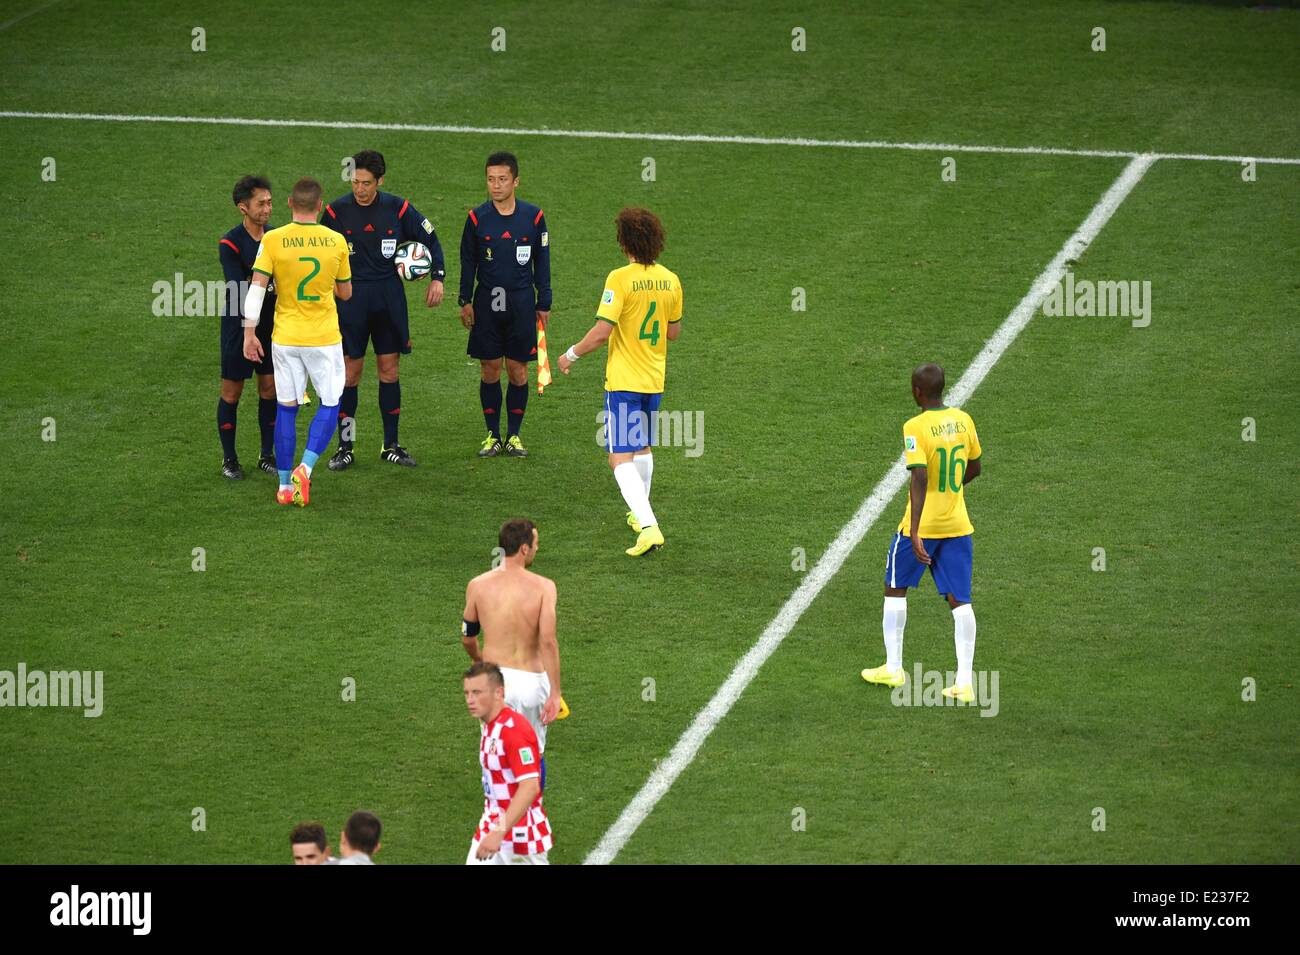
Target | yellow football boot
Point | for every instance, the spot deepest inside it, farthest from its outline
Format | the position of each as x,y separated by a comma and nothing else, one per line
963,693
649,539
884,676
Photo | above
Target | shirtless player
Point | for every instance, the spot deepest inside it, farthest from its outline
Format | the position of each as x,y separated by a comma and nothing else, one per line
515,609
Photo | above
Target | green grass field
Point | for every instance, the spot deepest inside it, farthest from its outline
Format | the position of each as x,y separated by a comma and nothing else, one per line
1119,689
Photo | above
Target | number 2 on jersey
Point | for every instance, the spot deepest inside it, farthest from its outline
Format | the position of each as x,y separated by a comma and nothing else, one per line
654,329
302,286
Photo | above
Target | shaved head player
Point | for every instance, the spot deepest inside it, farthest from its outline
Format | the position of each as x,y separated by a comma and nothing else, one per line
514,609
943,454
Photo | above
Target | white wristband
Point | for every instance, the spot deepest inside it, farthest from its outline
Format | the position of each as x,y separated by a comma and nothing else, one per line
253,305
571,354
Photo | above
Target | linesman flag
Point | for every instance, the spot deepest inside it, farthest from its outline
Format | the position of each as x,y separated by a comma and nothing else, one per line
543,363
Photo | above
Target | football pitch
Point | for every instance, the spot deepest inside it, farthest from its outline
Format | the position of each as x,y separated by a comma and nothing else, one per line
848,191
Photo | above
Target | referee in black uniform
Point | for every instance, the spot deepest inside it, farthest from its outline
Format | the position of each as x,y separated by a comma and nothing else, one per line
374,224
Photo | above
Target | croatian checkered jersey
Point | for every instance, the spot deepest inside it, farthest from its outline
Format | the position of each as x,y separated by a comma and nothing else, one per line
508,755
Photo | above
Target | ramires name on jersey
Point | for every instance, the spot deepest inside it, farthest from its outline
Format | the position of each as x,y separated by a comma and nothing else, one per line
948,427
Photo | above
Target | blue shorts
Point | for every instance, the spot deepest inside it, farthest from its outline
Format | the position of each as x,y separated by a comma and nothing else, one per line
630,420
950,565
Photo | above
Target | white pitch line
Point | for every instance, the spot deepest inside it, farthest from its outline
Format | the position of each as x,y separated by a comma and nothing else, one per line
23,16
655,137
851,534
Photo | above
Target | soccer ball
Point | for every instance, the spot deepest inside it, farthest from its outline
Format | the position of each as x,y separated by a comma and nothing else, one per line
413,261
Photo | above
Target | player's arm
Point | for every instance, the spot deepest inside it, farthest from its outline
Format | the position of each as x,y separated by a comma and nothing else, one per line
468,266
343,276
975,461
915,458
522,758
417,228
550,648
607,316
253,313
916,490
525,794
675,323
542,269
594,339
469,625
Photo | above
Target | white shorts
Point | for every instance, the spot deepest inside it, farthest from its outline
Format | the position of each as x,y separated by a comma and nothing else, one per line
294,364
526,693
504,856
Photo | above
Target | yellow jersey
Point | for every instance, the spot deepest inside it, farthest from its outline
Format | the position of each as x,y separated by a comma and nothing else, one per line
305,259
640,301
941,440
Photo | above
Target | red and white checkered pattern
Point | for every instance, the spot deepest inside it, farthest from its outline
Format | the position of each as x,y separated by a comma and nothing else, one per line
508,754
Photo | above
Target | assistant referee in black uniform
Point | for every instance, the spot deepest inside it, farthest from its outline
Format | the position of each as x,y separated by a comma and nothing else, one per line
505,246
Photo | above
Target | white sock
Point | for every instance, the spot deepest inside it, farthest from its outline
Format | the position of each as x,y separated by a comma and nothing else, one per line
963,619
630,483
645,466
286,487
307,468
895,620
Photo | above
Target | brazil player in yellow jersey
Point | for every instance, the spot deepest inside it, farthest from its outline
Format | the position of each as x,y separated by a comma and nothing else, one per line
942,453
640,313
310,265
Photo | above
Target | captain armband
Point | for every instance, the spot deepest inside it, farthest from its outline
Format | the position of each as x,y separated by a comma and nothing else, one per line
469,628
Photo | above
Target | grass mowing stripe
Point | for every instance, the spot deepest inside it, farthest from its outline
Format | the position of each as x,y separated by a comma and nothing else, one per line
851,534
656,137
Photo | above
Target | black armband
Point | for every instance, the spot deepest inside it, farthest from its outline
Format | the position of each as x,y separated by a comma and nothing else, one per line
469,628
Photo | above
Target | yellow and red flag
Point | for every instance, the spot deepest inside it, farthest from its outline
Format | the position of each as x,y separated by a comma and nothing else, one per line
543,363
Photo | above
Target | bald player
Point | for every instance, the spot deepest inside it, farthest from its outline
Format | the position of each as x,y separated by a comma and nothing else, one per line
514,609
942,453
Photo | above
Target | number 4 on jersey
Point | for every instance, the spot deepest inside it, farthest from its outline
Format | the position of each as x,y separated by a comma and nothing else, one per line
654,329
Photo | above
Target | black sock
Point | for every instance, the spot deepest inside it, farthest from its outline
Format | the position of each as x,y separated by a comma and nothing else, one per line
226,428
489,397
348,416
516,404
390,406
266,421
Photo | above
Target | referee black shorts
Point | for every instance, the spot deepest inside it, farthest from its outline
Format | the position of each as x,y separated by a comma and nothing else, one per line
376,313
234,366
510,331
